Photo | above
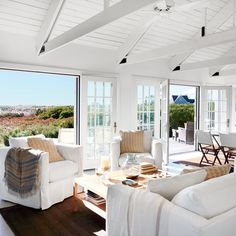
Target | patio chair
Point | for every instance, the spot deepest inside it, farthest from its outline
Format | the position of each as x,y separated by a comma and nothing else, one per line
228,146
207,147
186,134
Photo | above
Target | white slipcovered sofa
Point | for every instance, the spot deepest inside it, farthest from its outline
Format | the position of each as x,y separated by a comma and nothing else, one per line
152,147
205,209
56,178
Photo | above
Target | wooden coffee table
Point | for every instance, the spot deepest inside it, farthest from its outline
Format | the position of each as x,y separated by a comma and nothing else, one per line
99,185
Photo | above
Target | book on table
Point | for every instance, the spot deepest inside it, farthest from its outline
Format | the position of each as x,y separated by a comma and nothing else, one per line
94,198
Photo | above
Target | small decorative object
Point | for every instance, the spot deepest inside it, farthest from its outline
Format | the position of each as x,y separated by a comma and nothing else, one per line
131,167
105,165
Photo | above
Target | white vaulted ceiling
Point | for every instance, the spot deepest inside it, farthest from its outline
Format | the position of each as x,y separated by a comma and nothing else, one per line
27,16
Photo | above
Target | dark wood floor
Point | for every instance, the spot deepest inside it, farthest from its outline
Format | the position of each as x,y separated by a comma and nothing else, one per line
59,220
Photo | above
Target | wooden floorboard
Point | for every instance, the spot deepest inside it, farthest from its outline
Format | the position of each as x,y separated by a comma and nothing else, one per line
59,220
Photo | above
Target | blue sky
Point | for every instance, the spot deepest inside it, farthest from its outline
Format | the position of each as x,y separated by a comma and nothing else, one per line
26,88
183,90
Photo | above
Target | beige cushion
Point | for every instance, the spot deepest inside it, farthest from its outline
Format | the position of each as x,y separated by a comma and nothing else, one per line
131,141
45,145
212,171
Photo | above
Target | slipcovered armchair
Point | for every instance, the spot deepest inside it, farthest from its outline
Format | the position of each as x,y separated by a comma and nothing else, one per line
152,152
56,178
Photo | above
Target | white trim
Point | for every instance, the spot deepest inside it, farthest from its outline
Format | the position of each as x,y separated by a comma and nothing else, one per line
38,68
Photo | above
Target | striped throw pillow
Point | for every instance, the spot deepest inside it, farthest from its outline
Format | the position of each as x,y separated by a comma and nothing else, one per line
46,145
131,141
212,171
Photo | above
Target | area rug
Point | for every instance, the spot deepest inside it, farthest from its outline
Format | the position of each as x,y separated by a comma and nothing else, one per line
196,161
59,220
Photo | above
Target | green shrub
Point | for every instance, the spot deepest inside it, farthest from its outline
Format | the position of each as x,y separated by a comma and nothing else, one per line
180,114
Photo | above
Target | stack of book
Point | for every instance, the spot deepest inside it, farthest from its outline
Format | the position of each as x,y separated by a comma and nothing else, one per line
94,198
146,168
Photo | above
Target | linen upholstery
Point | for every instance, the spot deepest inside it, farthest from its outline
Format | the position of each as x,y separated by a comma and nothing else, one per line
46,145
132,141
210,198
212,171
169,187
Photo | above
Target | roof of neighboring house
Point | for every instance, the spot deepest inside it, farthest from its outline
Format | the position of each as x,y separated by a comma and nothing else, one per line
182,99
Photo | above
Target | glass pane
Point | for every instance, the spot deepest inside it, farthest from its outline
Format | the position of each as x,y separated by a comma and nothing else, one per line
99,89
146,92
107,135
152,91
108,89
91,120
99,119
91,104
99,105
140,92
107,105
91,88
107,121
90,151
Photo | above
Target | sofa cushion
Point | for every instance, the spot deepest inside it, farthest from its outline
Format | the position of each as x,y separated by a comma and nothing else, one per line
212,171
22,141
140,157
131,141
210,198
46,145
147,140
169,187
61,170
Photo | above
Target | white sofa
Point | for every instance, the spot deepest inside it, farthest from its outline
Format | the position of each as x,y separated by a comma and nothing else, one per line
57,178
205,209
152,147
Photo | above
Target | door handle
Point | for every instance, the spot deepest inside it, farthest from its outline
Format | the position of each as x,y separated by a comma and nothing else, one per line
115,127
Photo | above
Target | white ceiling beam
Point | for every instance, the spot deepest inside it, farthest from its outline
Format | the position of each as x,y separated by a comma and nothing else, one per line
144,24
48,23
184,47
106,4
226,73
105,17
229,60
231,52
210,27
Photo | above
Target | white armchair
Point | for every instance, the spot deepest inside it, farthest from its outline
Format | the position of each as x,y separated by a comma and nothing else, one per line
56,178
152,147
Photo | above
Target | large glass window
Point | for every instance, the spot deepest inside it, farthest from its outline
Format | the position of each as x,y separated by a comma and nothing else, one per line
35,103
145,107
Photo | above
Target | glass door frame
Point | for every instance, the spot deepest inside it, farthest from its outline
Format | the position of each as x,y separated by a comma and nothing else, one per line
91,164
156,84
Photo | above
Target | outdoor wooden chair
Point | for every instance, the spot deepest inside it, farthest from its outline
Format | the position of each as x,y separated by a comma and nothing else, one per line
207,147
228,146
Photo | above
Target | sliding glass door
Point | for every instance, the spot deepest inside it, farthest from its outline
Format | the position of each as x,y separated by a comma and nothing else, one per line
100,112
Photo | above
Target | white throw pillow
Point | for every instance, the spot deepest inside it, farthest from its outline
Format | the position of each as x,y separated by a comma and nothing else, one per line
22,141
210,198
169,187
147,140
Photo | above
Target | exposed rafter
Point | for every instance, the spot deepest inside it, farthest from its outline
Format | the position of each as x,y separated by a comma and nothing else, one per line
209,63
231,52
225,73
211,27
183,47
48,23
143,26
105,17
